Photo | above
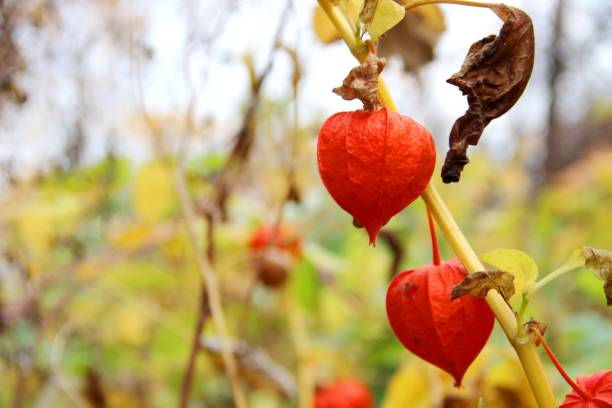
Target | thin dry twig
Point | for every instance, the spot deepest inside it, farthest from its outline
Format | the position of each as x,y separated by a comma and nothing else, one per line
209,277
245,137
203,314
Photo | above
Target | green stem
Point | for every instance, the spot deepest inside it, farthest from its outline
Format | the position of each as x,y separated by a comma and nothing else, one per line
457,2
526,351
551,276
521,314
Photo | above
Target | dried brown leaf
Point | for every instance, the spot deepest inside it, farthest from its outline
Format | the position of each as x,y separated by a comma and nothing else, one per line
600,262
478,284
362,83
536,329
494,74
255,365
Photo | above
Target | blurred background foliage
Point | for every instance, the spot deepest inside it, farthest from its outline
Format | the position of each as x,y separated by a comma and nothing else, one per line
100,290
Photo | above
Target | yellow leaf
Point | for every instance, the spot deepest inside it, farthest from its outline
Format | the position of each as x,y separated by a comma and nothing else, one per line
518,263
134,236
45,221
419,384
414,39
388,13
154,195
129,325
324,29
505,385
432,18
119,399
409,387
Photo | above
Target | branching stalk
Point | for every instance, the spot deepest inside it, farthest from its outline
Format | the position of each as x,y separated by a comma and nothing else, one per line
521,314
418,3
209,277
505,316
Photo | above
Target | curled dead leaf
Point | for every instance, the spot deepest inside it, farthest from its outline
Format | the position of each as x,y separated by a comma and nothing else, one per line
600,262
478,284
362,83
494,74
536,330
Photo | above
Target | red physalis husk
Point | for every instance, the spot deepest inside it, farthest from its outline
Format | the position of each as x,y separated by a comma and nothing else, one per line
598,389
374,164
284,237
448,334
344,394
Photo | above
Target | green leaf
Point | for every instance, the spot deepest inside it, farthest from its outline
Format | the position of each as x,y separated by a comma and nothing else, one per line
386,15
518,263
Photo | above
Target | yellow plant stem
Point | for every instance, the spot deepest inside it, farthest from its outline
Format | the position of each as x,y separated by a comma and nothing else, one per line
466,254
525,349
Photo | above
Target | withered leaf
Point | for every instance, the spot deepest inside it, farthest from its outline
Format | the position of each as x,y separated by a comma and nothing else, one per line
478,284
536,329
255,366
362,83
600,262
494,74
367,12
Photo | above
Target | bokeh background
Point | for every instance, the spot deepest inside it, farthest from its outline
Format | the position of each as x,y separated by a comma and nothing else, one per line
138,137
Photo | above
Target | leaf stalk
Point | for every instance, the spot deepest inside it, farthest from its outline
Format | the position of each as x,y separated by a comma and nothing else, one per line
550,277
468,3
435,249
585,395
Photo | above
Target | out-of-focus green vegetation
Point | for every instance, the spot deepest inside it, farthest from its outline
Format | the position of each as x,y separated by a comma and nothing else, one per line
100,286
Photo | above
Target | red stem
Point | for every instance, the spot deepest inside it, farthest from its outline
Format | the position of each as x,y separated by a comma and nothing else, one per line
435,250
585,395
